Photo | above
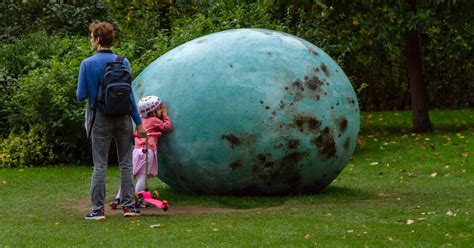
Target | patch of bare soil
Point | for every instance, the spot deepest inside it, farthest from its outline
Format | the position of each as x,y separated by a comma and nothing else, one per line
83,205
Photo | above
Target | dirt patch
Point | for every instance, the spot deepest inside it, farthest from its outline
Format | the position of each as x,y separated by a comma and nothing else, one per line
83,206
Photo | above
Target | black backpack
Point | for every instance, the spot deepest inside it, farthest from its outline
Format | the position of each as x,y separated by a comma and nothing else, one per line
113,95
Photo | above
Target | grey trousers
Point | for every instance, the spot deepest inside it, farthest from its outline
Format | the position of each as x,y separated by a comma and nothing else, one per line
105,129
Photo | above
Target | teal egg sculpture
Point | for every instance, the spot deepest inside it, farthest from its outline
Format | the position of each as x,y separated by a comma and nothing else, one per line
254,111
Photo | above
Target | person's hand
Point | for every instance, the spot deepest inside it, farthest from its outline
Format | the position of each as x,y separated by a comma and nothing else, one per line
164,110
141,131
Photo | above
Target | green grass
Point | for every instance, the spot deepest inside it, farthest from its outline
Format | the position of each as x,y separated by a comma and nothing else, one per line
394,177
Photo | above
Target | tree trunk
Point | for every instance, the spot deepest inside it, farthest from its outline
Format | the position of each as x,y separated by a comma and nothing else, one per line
418,86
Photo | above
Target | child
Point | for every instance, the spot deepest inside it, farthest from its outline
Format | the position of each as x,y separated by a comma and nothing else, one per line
154,115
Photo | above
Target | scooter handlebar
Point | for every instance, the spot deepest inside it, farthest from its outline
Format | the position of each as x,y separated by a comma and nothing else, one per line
154,134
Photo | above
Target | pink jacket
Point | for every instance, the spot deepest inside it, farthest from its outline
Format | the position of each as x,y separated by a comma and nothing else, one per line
153,124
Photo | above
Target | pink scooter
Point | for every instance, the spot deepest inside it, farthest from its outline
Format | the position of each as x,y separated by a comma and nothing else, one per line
146,196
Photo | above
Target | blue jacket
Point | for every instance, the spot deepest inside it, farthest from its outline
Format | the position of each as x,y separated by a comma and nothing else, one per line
90,74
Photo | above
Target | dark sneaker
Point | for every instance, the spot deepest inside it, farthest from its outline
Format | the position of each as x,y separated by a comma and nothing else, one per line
130,211
141,204
96,215
113,204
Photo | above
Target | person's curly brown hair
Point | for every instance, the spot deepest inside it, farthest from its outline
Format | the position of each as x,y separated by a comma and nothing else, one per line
105,32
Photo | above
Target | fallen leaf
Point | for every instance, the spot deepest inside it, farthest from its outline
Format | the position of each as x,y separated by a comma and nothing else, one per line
465,154
374,163
409,222
434,174
4,182
421,219
155,226
307,236
390,238
450,213
413,174
350,231
215,229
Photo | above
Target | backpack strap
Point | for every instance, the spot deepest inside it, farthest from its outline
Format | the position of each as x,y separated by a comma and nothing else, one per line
119,58
94,108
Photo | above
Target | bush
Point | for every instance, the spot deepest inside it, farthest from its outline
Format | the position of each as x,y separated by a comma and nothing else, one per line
45,101
29,53
26,149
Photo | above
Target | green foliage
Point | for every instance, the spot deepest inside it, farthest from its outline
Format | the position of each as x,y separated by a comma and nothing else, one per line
140,20
215,17
26,149
44,100
24,17
28,53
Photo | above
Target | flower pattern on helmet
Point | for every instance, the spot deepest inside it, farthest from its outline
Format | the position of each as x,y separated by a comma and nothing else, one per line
148,104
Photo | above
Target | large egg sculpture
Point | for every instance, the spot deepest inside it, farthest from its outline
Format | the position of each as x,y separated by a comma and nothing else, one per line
254,111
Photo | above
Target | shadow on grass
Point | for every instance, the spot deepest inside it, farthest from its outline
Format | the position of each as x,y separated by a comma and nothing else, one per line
331,194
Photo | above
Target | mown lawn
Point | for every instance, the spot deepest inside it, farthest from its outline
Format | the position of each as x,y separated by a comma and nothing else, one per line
400,189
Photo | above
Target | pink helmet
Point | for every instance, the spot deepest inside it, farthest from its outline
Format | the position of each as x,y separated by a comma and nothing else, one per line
148,104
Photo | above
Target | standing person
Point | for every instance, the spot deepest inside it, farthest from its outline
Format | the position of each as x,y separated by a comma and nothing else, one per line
106,128
155,119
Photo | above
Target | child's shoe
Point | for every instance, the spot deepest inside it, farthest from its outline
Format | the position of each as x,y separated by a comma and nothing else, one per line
130,211
113,204
98,214
141,204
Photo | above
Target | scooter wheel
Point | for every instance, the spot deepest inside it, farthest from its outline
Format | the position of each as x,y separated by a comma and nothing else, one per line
156,195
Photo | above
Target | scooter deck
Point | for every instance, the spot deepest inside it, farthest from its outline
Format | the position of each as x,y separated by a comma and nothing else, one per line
156,203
